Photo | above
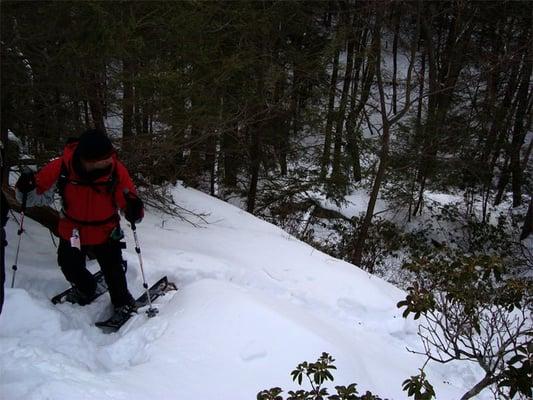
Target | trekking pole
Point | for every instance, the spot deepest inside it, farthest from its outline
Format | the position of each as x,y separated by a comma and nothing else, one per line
21,229
152,311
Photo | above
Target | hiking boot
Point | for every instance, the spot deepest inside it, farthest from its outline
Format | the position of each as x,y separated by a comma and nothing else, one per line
122,312
76,296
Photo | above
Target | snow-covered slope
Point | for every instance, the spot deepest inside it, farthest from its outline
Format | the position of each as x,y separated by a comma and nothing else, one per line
253,303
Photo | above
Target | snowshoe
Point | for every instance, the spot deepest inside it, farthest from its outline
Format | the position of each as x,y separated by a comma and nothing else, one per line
75,296
122,314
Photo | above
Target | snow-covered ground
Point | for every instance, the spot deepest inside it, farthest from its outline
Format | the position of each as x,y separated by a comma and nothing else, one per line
253,303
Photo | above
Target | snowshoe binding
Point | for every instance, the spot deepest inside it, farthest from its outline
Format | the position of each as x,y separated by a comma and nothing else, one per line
122,314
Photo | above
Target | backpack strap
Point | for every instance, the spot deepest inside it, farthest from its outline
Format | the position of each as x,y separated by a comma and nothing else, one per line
112,218
62,183
64,179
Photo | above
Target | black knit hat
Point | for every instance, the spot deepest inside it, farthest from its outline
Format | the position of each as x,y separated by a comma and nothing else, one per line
94,145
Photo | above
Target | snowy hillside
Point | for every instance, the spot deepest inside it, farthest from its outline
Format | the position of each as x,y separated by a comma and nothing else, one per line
253,303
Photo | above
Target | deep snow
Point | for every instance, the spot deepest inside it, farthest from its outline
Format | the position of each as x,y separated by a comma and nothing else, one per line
253,303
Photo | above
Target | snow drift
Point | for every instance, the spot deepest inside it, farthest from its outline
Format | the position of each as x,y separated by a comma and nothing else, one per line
252,303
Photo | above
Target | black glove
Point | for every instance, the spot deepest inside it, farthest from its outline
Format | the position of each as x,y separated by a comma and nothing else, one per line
26,181
134,212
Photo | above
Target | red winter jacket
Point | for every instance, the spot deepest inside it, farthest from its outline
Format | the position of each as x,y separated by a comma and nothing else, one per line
91,209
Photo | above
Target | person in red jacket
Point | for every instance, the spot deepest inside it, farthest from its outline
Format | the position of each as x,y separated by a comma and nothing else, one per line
94,186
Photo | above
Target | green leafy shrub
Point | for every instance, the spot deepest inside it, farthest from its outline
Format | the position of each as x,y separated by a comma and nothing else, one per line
418,387
474,310
517,376
319,372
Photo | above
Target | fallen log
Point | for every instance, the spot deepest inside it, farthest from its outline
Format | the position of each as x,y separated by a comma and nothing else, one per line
46,216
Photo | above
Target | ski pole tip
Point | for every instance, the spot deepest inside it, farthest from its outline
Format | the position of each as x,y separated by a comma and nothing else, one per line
152,312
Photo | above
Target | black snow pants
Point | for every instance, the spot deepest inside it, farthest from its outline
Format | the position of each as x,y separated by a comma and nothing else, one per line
109,257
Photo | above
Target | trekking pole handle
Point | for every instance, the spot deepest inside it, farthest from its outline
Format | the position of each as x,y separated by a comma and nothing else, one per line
137,247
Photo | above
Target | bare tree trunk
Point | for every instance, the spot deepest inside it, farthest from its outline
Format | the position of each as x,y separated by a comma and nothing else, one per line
359,242
503,181
395,58
356,107
295,98
444,69
519,131
353,136
46,216
137,113
362,234
413,208
357,255
4,127
256,131
86,114
128,99
280,128
490,107
95,93
59,129
138,107
40,113
502,117
255,155
527,228
337,150
326,154
210,161
229,150
527,154
478,387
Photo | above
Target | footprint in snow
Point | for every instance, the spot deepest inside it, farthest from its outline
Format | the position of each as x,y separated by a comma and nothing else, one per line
252,351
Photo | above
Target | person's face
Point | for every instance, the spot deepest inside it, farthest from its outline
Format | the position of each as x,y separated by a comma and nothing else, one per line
97,165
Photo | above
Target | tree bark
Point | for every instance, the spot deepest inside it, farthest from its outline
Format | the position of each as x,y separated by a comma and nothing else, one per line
360,239
336,174
210,161
444,69
502,117
478,387
255,160
229,150
95,92
527,228
356,107
4,128
395,58
46,216
128,99
503,181
326,154
280,128
256,130
519,131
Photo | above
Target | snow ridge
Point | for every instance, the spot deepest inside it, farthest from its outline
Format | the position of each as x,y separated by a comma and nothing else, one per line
252,303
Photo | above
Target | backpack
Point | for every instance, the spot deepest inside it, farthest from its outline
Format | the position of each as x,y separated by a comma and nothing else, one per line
110,185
